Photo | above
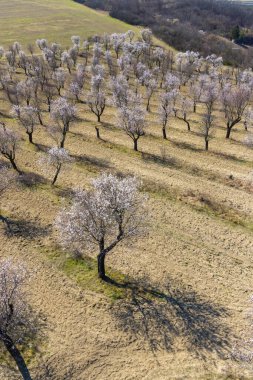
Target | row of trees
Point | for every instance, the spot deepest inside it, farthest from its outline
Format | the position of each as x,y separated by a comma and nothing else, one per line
137,79
55,86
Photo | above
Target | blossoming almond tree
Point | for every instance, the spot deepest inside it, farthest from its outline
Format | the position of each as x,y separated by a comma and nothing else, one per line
103,217
28,117
165,110
132,120
235,100
63,113
55,159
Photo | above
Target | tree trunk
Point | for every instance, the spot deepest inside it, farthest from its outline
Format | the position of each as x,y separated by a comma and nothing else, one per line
40,119
101,265
206,145
148,107
30,136
164,133
63,139
194,107
16,355
136,145
188,125
98,133
230,125
228,131
56,174
13,163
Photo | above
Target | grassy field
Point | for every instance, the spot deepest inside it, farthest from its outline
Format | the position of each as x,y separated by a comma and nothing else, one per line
194,268
55,20
187,285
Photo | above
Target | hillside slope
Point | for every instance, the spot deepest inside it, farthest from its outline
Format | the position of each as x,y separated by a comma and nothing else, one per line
193,270
25,21
200,260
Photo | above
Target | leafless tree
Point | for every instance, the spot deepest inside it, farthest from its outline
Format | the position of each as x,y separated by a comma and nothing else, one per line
17,322
25,90
24,62
8,145
49,91
183,110
55,159
117,42
96,102
28,117
41,43
235,101
75,90
165,110
210,95
207,128
59,77
109,61
80,75
131,119
63,113
195,93
103,217
67,60
120,91
151,86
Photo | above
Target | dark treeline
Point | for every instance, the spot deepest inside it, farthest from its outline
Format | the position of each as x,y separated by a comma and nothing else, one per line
202,25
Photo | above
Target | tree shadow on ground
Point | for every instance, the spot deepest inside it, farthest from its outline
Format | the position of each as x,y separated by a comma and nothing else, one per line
42,147
66,192
230,157
158,317
29,179
108,126
27,229
165,161
5,115
97,162
46,371
185,145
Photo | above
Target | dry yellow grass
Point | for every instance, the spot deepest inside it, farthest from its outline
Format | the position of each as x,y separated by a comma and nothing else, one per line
56,20
182,322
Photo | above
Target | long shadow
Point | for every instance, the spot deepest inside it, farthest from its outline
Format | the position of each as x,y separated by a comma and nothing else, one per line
108,126
5,115
30,179
185,145
46,370
97,162
166,161
42,147
159,317
230,157
66,192
27,229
